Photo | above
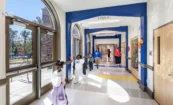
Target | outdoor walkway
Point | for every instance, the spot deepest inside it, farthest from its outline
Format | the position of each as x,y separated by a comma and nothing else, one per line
106,86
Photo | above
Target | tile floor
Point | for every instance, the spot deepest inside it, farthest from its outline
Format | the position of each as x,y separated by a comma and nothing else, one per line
95,90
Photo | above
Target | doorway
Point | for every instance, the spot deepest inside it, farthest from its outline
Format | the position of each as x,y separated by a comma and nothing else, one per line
103,49
163,64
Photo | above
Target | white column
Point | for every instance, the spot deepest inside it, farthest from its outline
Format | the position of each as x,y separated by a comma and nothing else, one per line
2,52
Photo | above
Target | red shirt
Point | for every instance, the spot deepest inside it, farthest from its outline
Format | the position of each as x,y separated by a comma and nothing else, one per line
117,52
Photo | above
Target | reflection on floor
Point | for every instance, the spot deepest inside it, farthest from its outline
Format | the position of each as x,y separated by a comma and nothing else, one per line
106,86
109,64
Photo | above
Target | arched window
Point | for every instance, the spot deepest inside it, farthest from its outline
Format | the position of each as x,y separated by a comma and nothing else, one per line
32,10
76,40
31,48
76,32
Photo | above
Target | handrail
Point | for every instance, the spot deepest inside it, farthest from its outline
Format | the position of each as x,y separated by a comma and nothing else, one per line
34,68
46,65
20,71
69,62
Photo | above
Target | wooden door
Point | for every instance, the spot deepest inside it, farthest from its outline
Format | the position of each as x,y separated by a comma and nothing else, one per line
163,65
123,54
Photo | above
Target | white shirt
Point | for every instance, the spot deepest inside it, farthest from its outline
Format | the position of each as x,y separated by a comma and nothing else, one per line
79,64
57,78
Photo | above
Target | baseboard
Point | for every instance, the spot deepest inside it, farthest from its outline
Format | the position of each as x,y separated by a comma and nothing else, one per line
129,71
68,80
142,87
138,82
150,93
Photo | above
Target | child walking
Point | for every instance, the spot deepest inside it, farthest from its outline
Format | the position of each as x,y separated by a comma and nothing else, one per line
58,95
90,61
78,65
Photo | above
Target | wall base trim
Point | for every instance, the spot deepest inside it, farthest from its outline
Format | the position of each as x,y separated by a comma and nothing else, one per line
150,93
142,87
129,71
138,81
68,80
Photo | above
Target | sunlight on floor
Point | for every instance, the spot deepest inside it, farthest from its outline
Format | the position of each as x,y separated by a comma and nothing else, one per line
94,84
98,79
116,92
46,101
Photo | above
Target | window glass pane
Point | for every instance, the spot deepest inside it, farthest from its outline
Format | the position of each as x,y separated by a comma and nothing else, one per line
32,10
46,75
20,87
76,32
46,47
158,49
20,49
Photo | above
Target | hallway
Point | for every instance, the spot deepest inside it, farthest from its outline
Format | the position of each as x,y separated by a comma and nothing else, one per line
106,86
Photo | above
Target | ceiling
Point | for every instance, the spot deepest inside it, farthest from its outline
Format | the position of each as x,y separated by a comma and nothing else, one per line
110,21
106,33
76,5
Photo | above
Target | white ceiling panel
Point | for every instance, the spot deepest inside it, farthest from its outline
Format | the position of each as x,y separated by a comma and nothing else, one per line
76,5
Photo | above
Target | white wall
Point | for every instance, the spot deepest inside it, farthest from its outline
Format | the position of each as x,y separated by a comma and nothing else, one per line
2,52
133,32
159,13
123,37
62,19
106,41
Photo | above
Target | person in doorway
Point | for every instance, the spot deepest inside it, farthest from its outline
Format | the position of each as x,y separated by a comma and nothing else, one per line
78,68
97,57
58,95
90,61
117,55
109,52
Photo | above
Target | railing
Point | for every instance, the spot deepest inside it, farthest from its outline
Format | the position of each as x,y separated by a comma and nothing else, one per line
23,71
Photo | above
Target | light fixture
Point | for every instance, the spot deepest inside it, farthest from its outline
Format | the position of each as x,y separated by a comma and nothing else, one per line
18,22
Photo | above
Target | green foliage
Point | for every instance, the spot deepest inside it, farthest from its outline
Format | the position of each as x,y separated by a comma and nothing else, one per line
22,41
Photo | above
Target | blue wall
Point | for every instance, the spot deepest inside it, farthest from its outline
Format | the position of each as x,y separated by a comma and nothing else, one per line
132,10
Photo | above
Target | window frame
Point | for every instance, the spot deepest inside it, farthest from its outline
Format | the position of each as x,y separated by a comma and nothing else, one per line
32,26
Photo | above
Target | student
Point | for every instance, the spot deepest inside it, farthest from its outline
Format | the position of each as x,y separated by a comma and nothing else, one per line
97,57
58,95
109,52
78,71
90,61
117,55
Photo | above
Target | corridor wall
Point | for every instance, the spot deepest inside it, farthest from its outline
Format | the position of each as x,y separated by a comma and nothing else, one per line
61,15
159,13
134,32
2,52
123,37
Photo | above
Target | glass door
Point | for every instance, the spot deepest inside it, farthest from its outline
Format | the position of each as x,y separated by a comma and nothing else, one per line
30,61
20,61
47,58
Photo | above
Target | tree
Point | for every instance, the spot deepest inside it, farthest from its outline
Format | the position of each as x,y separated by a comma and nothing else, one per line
13,35
25,35
38,20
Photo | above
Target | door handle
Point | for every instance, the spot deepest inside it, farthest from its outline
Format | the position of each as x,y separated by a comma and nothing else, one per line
170,75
